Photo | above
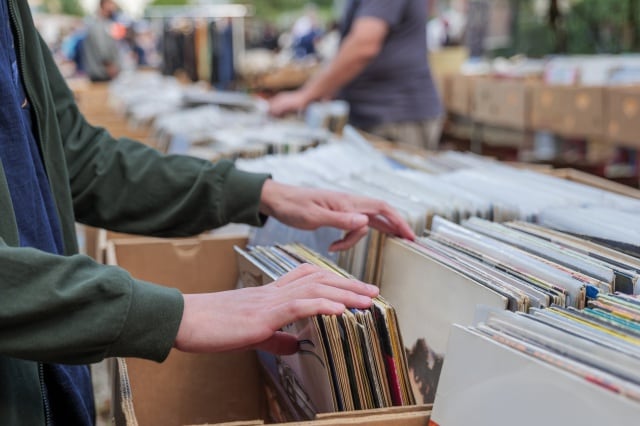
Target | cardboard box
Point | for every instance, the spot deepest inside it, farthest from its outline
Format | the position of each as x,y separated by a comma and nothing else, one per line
189,389
503,103
571,111
96,241
458,94
624,116
445,62
545,105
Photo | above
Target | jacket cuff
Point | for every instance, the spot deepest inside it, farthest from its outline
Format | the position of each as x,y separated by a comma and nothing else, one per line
241,195
151,326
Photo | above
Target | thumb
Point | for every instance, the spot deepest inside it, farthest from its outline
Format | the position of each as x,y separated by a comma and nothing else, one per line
345,220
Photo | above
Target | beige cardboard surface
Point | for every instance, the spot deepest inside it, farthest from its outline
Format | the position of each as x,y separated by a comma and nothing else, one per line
377,411
572,111
624,116
545,105
96,239
403,419
486,101
409,416
503,103
186,388
241,423
587,106
458,94
90,235
444,62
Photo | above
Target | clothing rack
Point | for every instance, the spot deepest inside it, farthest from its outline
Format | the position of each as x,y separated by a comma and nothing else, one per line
236,12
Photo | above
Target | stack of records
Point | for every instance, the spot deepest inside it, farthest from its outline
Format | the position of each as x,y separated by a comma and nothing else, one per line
349,362
515,266
582,366
453,186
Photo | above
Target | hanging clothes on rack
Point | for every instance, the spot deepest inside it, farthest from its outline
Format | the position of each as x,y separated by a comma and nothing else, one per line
226,68
171,51
178,48
190,54
214,58
203,50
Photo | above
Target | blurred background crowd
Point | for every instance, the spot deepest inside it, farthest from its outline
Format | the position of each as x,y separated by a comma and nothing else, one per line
265,47
289,30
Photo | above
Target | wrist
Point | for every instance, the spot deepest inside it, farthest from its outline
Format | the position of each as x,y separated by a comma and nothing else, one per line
307,95
267,197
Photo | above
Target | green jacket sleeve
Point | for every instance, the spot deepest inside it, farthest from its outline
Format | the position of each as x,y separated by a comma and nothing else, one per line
125,186
73,310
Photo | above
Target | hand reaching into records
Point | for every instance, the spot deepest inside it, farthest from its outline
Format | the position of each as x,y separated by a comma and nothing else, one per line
287,102
308,208
252,317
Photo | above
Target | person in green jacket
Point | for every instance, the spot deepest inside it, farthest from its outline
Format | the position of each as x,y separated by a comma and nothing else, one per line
60,310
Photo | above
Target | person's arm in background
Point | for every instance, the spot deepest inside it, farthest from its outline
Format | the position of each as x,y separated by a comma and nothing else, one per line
359,48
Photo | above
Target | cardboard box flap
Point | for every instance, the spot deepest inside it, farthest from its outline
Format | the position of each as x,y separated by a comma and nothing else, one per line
194,265
190,388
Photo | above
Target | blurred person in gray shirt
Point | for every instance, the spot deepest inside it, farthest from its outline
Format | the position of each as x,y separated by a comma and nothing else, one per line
100,51
382,70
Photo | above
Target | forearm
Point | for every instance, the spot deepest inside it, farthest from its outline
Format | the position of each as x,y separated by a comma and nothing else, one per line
130,188
124,186
73,310
350,61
